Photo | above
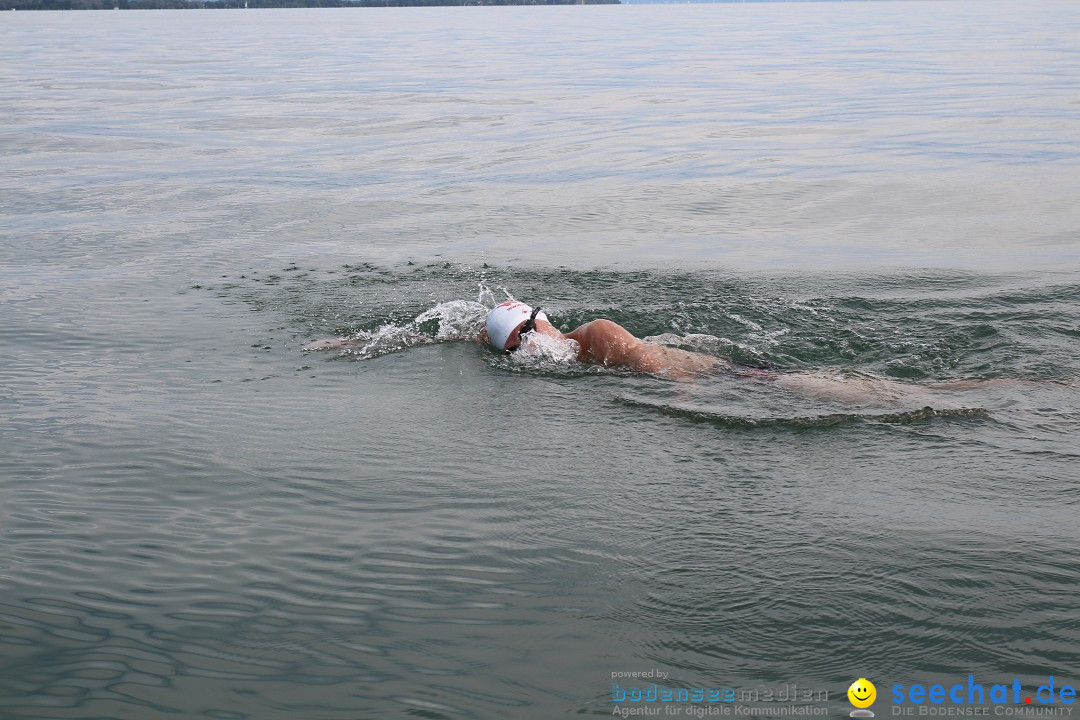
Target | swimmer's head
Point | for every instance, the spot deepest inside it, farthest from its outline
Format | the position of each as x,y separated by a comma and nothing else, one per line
506,318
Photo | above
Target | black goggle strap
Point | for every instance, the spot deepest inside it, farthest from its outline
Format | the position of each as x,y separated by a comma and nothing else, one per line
530,324
528,327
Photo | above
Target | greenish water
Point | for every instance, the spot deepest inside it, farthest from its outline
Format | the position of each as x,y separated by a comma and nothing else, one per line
200,519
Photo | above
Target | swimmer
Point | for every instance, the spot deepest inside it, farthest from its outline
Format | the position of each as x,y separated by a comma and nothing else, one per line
599,342
602,342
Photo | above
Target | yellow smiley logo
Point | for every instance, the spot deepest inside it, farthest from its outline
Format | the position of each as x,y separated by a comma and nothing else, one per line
862,693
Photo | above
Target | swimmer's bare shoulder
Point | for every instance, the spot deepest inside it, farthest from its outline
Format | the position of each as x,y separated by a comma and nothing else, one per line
605,342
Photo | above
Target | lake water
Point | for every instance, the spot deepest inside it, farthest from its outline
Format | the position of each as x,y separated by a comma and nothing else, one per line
198,519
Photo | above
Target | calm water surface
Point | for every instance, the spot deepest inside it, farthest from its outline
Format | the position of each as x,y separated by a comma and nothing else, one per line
198,519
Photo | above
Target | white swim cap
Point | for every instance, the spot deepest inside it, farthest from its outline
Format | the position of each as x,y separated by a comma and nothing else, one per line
505,318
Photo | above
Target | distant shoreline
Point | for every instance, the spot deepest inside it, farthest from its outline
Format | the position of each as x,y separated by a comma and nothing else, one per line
257,4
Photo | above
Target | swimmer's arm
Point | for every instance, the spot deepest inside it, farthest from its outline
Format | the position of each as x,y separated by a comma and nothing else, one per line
332,343
340,343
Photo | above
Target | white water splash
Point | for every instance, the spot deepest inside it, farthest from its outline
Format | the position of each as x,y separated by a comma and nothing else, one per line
456,320
539,350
